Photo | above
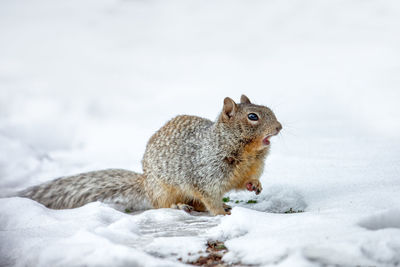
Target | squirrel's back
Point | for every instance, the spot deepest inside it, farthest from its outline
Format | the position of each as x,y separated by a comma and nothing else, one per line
175,149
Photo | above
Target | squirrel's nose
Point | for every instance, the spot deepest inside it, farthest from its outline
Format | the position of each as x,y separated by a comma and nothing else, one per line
279,127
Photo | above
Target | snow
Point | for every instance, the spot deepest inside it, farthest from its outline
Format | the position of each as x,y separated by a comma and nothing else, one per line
93,235
83,85
387,219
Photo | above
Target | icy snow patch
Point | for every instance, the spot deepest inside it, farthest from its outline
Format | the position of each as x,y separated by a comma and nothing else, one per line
97,235
273,198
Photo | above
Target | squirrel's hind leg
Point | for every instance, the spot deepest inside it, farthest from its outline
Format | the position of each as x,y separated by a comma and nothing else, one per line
169,196
213,204
198,205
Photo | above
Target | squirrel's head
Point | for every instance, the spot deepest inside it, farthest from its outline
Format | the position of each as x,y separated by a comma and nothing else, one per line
252,122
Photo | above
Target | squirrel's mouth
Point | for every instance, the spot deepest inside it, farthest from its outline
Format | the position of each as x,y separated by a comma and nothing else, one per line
266,139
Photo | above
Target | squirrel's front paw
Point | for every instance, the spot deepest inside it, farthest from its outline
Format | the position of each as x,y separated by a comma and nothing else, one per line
227,208
225,212
221,211
254,185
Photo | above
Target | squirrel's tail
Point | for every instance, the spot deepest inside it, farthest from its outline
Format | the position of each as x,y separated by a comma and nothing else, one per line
123,189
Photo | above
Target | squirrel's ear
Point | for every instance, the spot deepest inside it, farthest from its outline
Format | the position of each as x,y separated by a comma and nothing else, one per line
244,100
229,107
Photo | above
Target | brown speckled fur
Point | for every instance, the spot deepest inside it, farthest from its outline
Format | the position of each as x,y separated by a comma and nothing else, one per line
191,162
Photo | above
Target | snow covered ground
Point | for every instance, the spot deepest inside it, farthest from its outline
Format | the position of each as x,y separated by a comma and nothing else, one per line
84,84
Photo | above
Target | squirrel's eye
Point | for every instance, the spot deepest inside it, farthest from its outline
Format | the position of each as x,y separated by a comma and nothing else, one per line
252,117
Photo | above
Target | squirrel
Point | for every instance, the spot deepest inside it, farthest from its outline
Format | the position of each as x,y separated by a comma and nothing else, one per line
188,164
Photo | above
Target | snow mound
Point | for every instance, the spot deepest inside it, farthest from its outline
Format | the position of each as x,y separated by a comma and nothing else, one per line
383,248
383,243
388,219
331,256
